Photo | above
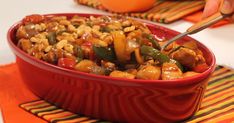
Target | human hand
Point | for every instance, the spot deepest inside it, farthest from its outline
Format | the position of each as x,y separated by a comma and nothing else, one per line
213,6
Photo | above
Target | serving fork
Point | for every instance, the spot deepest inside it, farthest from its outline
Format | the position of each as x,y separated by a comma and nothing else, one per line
197,27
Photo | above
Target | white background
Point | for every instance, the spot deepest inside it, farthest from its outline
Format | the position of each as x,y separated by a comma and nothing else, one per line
219,40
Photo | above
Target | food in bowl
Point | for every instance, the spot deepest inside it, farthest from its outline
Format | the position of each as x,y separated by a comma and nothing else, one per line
111,98
108,45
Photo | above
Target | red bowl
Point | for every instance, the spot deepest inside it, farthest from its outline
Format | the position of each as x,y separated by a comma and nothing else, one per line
114,99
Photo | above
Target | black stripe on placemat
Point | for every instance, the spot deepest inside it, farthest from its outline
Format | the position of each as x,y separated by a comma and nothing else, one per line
216,80
218,91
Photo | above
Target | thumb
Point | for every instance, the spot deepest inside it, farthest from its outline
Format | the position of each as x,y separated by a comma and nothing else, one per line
227,7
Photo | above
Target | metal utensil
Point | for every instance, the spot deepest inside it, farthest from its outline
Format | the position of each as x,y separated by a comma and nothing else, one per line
198,27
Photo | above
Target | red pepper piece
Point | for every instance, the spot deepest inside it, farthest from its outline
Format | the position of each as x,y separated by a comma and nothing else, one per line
34,18
67,63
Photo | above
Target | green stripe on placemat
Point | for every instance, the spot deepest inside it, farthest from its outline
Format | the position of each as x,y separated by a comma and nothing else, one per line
163,11
217,105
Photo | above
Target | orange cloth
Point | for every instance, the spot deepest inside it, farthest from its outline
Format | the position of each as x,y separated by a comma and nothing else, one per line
198,16
12,93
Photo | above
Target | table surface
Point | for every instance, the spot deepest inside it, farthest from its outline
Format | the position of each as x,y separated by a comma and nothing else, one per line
219,40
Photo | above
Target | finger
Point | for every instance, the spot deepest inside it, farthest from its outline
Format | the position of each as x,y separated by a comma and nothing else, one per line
227,7
232,18
211,7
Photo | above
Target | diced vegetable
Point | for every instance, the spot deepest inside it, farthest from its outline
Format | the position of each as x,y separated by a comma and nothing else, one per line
87,44
104,53
98,42
153,41
35,18
138,56
120,46
66,63
131,46
177,63
88,50
79,53
105,29
156,54
52,38
162,58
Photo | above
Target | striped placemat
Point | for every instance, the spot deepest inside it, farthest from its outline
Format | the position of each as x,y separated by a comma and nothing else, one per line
163,11
217,105
53,114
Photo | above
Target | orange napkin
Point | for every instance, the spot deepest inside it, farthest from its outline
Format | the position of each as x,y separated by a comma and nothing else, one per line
10,83
198,16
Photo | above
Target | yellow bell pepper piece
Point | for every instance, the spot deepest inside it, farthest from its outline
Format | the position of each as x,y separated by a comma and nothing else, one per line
120,46
138,56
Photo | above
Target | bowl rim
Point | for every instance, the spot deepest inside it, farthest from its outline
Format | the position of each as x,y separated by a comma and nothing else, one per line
47,66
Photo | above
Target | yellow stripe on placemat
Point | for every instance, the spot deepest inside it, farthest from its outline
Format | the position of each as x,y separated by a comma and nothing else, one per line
217,105
40,114
164,11
224,118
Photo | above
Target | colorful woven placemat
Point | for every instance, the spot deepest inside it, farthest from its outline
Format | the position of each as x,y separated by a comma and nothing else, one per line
217,105
163,11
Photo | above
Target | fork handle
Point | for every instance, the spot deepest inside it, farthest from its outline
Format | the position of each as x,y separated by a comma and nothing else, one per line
207,22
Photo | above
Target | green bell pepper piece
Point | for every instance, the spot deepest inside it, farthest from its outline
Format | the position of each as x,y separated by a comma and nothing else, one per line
157,55
104,53
52,38
153,41
79,53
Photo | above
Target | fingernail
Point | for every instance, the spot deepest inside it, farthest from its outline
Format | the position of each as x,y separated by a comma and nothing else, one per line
227,7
